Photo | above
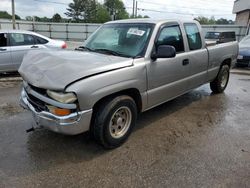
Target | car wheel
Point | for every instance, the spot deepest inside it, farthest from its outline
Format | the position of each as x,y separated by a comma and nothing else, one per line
114,120
221,81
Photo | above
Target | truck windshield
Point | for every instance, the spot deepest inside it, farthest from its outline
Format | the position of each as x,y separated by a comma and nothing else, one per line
123,39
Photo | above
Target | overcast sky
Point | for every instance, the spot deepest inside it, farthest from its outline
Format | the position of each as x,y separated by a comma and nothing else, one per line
155,9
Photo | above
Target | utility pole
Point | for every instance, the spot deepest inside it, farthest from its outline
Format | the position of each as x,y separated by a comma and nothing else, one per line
133,14
136,4
13,14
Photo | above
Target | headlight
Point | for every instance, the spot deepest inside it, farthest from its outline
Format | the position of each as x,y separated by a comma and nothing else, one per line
240,57
62,97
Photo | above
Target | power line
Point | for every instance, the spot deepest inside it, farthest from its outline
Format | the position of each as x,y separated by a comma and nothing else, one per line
200,2
153,10
54,2
184,7
180,13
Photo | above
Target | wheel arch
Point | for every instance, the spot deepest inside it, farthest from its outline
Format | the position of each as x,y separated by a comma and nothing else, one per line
227,61
132,92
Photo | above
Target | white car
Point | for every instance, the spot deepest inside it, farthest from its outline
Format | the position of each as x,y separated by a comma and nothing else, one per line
14,44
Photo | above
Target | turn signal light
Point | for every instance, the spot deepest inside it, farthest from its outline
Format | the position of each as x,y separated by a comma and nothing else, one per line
61,112
58,111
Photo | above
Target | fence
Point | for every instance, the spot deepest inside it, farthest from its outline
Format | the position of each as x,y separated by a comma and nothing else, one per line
81,31
240,31
64,31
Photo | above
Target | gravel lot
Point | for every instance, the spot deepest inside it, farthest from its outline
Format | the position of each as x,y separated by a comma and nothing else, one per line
196,140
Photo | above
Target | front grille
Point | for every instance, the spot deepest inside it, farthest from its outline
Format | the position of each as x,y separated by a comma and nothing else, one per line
35,100
246,58
37,103
38,90
243,60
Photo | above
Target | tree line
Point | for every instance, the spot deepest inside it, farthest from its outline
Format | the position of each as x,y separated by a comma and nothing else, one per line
92,11
212,21
6,15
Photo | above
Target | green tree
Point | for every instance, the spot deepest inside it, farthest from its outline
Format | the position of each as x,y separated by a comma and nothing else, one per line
37,19
102,15
211,21
29,18
75,10
6,15
82,10
57,18
116,8
45,19
90,11
224,21
139,16
205,21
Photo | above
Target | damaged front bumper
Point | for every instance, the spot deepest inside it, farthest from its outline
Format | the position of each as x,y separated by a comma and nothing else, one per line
72,124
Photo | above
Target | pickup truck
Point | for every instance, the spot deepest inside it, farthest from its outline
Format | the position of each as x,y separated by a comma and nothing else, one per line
220,36
124,68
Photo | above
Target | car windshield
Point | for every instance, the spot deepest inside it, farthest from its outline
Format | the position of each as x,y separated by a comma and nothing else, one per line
212,35
245,40
123,39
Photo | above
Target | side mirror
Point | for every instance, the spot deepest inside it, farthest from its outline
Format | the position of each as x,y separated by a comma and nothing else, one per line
164,51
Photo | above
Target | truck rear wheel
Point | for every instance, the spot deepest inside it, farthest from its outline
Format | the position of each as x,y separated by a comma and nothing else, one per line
221,81
114,120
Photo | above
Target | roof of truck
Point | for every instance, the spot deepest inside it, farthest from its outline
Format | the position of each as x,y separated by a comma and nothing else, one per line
150,20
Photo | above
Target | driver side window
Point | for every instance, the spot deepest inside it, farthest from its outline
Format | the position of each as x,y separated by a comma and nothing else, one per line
171,35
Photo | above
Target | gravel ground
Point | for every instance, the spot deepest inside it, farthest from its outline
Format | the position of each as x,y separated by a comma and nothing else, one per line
196,140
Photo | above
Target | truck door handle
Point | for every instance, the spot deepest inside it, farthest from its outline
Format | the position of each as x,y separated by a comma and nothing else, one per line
185,62
34,47
3,49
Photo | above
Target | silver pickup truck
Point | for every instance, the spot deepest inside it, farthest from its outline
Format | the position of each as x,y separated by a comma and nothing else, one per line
124,68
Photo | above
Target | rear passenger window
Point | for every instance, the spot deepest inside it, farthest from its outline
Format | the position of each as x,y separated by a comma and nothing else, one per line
3,39
171,35
193,36
19,39
40,40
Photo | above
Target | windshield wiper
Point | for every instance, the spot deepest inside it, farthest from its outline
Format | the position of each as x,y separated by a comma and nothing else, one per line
83,48
107,51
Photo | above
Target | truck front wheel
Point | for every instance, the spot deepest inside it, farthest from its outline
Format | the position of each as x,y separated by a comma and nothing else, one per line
114,120
221,81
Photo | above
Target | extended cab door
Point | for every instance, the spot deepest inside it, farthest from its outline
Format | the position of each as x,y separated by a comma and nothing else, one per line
5,54
197,56
167,76
20,44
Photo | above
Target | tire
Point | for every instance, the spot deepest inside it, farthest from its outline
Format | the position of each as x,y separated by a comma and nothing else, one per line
221,81
114,121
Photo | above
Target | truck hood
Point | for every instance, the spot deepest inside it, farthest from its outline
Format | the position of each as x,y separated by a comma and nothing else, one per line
51,69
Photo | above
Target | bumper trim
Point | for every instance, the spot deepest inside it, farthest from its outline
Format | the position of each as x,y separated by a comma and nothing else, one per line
75,123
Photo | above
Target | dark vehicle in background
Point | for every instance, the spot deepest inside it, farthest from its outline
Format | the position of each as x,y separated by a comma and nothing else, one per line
220,36
243,59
